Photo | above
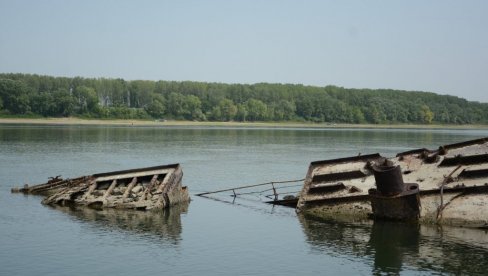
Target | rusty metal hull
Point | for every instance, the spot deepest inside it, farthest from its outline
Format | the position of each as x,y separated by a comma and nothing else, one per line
452,182
143,189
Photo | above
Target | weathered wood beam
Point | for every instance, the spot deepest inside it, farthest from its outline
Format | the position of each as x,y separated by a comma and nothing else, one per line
128,175
91,188
169,177
129,188
151,185
111,188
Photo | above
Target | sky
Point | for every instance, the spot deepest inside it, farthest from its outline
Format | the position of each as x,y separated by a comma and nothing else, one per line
435,46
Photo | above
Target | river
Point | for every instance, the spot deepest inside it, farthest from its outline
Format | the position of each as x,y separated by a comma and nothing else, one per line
209,237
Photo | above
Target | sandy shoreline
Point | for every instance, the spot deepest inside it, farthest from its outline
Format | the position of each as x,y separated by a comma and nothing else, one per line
78,121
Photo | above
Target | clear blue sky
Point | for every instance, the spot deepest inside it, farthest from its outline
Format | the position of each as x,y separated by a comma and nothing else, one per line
436,46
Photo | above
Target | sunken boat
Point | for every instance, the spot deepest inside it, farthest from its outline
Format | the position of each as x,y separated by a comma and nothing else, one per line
142,189
448,185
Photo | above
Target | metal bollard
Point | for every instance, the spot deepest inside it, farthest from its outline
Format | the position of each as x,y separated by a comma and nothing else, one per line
393,199
389,180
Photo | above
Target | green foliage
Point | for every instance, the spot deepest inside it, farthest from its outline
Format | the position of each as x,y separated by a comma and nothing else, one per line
123,112
63,103
242,113
192,108
26,95
157,107
426,114
282,110
256,110
86,99
14,95
226,110
43,104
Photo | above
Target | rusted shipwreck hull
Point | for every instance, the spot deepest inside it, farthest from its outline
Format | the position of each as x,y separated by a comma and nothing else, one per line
448,185
144,189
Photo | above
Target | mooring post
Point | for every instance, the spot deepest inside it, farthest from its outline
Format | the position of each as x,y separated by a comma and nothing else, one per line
393,199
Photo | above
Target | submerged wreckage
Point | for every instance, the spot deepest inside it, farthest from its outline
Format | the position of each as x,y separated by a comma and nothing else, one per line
448,185
142,189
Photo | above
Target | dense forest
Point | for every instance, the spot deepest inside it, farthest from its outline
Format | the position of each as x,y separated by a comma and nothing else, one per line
35,95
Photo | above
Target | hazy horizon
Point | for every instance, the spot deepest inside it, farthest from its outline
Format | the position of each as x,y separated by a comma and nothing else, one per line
436,46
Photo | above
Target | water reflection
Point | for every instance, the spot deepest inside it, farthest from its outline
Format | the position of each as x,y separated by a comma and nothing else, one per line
390,242
164,224
396,247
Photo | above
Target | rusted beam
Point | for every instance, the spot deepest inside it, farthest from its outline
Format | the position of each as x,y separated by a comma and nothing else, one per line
367,157
322,189
285,202
415,151
466,173
338,176
464,160
466,143
456,189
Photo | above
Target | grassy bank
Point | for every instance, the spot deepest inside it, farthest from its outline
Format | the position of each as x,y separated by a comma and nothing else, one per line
78,121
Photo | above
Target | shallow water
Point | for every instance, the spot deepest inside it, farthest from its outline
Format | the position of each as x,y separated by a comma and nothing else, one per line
210,237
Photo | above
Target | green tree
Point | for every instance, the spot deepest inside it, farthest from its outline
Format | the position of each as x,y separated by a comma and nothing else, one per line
216,114
157,107
64,103
86,98
192,108
43,104
117,98
358,116
256,110
374,114
426,114
176,105
305,106
242,113
228,110
14,96
282,110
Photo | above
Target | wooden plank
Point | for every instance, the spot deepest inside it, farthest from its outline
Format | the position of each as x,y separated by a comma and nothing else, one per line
131,175
132,171
110,189
129,188
150,186
163,183
93,186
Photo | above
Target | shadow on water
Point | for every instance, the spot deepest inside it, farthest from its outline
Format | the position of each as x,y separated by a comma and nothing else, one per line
394,247
164,224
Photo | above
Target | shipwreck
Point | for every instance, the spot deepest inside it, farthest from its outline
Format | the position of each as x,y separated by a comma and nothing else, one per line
448,185
142,189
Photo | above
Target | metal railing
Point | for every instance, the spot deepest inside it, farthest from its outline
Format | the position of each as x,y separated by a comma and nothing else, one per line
273,192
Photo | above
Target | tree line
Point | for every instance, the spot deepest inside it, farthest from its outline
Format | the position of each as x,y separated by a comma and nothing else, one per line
37,95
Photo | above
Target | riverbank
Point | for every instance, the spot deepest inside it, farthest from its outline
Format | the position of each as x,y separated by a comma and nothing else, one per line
78,121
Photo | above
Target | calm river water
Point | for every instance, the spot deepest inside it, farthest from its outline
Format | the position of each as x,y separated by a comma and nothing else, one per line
210,237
